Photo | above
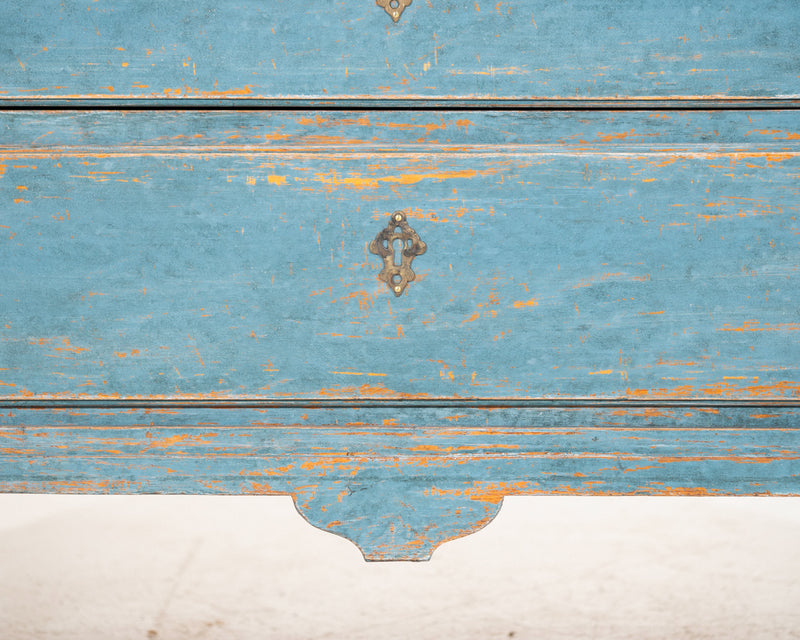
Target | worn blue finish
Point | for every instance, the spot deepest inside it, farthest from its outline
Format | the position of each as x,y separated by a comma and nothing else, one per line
607,306
269,52
399,492
598,261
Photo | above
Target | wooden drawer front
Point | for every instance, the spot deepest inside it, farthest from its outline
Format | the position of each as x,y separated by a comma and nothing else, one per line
200,264
222,50
607,305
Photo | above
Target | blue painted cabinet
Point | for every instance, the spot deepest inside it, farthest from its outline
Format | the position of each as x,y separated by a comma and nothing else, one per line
191,201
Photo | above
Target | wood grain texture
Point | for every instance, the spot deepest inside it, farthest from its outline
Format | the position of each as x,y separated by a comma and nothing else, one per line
215,51
614,255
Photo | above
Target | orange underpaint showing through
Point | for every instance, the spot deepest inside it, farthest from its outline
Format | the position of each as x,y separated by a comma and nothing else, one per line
83,486
590,490
774,132
276,180
262,489
182,439
766,459
432,448
642,413
519,304
64,345
91,294
624,135
357,182
364,299
676,363
317,120
359,373
407,127
368,391
196,93
491,492
325,464
721,389
755,325
276,472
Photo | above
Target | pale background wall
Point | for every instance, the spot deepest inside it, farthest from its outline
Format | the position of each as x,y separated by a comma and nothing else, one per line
168,567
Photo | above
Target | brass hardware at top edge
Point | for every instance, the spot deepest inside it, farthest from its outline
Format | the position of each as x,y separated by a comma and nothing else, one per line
394,8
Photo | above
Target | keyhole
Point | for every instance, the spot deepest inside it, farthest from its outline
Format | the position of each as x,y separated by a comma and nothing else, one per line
397,245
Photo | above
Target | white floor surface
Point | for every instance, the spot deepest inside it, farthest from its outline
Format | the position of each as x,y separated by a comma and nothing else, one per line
173,568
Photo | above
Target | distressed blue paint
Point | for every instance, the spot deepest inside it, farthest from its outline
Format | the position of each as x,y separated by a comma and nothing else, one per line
156,50
577,256
553,269
399,492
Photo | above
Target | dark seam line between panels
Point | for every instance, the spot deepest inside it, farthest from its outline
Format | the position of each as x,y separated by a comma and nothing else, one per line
444,403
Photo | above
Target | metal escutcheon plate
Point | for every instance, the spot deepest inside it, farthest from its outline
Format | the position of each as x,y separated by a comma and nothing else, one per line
398,244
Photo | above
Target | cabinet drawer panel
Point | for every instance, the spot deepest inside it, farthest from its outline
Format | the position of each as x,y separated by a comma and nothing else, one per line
158,50
597,261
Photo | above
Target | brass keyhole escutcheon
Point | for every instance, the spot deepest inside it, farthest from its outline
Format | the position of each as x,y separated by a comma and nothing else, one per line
398,244
394,8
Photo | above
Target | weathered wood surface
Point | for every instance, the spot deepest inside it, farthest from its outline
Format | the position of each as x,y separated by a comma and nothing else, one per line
607,307
617,255
395,488
212,51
